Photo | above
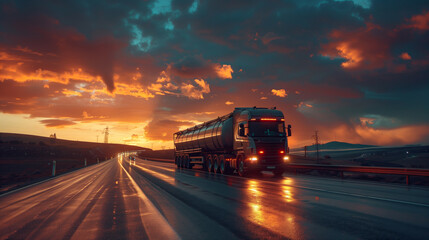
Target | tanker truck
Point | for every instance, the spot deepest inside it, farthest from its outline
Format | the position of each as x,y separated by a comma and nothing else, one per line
244,141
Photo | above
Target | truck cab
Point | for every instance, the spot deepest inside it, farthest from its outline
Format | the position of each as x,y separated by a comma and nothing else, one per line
260,140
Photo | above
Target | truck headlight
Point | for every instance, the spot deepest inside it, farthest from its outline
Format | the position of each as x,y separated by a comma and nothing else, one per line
286,158
253,159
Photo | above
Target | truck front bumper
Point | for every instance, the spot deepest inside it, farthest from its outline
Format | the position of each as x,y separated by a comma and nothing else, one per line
253,166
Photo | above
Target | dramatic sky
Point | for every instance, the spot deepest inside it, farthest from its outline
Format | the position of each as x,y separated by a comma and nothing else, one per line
356,71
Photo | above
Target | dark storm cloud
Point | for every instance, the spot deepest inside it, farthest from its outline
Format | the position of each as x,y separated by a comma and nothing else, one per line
338,62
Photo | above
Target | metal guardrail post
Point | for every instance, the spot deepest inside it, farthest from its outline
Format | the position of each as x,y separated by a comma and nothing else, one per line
54,163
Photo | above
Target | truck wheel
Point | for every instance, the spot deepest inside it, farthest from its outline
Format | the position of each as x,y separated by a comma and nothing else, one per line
221,163
215,164
190,165
178,161
241,170
210,163
228,169
187,162
204,165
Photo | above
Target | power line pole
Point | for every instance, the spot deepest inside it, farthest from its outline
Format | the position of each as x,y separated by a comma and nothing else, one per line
316,143
106,135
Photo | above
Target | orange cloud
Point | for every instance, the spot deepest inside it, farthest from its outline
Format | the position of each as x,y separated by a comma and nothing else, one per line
164,76
27,50
364,134
420,22
69,93
405,56
366,47
229,102
12,68
134,90
279,92
193,92
353,56
224,71
301,104
396,136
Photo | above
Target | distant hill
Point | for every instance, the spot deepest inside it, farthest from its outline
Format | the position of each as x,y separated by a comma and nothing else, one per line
335,145
17,139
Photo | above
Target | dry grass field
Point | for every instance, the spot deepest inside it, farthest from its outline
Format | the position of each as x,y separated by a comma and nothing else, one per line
25,158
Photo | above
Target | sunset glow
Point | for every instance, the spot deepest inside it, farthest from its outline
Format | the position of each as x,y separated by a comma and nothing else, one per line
355,74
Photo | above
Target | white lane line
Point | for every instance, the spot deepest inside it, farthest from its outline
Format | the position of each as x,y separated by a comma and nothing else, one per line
155,224
337,192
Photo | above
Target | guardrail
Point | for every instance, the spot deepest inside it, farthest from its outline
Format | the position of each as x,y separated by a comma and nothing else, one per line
363,169
407,172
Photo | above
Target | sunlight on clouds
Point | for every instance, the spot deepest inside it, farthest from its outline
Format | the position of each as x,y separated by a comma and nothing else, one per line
193,92
405,56
420,22
13,71
396,136
353,56
69,93
279,92
224,71
164,76
133,90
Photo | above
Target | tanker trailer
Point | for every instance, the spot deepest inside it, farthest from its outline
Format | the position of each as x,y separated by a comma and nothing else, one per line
245,140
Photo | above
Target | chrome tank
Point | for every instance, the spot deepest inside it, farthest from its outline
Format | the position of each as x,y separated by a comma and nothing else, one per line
215,135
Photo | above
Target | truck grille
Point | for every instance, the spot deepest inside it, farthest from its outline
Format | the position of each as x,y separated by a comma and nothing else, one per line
271,152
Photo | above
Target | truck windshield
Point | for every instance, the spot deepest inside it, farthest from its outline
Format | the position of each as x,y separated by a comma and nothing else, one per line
266,129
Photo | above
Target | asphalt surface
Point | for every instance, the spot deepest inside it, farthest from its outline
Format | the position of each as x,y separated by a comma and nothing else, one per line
143,199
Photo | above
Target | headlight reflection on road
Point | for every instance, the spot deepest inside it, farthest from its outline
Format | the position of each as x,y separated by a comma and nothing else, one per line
262,208
287,190
255,201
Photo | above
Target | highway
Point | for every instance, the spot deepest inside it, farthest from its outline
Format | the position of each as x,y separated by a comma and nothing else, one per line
142,199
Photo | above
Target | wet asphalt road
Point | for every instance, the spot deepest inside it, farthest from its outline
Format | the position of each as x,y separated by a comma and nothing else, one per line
154,200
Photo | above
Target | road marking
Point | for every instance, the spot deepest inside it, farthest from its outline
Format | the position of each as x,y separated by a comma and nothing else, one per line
155,224
332,192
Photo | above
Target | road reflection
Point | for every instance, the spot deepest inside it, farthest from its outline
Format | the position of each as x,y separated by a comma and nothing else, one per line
162,176
268,206
287,190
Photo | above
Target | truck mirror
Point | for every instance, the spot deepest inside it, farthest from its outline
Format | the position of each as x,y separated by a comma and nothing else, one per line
241,130
289,131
